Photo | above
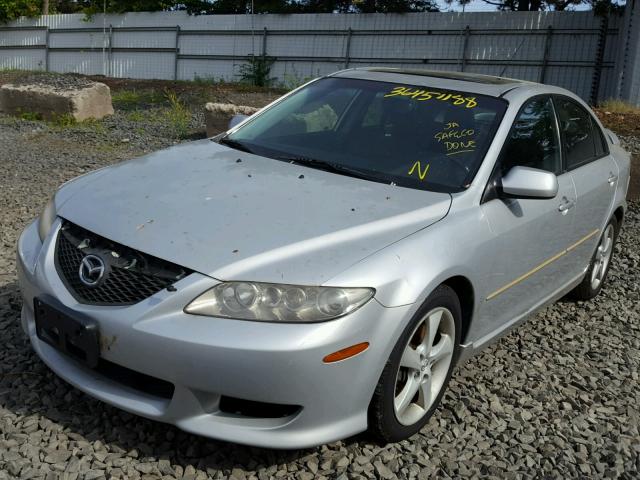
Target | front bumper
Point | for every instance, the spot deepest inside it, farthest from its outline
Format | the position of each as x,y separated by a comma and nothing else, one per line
206,359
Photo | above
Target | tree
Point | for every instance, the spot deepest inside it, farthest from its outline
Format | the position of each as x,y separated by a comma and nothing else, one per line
599,6
12,9
369,6
245,6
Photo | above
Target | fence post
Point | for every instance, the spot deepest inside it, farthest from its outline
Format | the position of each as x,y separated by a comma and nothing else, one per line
46,50
177,53
465,45
347,52
264,44
597,68
545,58
110,54
626,47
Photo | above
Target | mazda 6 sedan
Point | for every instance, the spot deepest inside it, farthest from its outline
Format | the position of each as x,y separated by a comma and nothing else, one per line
320,269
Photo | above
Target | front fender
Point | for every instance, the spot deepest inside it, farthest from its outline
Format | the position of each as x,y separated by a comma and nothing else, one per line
407,271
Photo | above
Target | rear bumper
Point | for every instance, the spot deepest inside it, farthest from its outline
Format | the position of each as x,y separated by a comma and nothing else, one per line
208,358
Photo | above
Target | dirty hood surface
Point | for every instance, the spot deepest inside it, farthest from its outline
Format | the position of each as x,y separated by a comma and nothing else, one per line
238,216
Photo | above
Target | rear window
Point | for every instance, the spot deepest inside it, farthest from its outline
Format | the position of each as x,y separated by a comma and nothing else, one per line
414,136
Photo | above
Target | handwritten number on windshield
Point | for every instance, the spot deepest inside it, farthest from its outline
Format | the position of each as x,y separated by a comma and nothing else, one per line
423,95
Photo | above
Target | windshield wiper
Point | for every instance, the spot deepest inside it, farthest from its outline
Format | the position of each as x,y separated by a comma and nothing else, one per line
330,167
235,144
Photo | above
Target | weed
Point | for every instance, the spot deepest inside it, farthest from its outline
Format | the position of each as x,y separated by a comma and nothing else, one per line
64,120
178,115
31,116
293,80
618,106
256,72
207,80
134,99
95,125
136,116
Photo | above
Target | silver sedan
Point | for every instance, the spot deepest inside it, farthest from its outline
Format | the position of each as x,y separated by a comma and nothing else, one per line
320,269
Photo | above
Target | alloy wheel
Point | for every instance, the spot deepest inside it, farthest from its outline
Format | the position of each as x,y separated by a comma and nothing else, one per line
602,258
424,365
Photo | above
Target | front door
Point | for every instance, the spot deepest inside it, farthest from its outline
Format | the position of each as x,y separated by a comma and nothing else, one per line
531,235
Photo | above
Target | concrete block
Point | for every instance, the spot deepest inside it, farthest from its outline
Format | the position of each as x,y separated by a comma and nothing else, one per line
217,116
50,97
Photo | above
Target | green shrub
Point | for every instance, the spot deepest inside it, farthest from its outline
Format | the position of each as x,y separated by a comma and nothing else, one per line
256,72
31,116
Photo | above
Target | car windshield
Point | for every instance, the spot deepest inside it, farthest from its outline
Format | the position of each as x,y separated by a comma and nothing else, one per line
417,137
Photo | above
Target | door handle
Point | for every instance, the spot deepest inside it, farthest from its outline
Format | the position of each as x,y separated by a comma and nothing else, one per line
612,179
565,206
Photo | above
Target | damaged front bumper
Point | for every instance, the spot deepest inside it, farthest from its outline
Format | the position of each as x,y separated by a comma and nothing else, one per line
256,383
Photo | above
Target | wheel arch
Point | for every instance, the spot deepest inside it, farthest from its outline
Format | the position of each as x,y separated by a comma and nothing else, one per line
463,288
619,216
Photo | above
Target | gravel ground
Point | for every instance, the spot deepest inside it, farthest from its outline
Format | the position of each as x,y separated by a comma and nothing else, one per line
557,398
55,82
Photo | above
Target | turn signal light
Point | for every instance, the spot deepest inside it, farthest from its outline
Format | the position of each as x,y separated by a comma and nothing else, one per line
346,353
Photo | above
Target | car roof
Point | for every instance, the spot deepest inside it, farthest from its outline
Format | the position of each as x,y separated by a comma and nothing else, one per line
460,81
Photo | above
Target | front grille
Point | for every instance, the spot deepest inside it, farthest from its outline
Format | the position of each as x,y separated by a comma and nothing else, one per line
129,276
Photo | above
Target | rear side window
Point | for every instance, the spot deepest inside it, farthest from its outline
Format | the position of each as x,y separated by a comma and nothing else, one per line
581,142
533,140
601,143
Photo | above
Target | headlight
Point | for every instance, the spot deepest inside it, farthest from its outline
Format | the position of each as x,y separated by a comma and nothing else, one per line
47,217
270,302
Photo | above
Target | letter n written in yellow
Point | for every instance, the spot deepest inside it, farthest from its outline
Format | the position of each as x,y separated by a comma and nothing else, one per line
421,173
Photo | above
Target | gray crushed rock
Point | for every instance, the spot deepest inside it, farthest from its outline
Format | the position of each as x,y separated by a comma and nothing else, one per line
630,143
55,82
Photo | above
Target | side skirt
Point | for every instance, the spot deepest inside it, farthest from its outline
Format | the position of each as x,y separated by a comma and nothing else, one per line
471,349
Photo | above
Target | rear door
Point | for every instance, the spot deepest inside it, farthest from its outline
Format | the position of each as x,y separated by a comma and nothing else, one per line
530,234
594,172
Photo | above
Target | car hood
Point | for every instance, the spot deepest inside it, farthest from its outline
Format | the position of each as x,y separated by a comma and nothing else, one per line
233,215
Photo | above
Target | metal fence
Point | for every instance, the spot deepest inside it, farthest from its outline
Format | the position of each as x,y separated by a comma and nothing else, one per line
593,56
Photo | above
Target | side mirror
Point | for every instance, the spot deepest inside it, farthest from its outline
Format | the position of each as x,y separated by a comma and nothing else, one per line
525,182
236,119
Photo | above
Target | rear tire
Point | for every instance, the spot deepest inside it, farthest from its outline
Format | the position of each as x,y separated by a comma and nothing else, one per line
418,370
599,266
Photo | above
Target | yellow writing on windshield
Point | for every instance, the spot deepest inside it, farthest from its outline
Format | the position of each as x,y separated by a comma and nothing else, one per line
456,134
423,95
456,139
421,174
453,148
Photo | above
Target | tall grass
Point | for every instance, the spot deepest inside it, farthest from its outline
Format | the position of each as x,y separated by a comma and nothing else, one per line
178,115
134,99
618,106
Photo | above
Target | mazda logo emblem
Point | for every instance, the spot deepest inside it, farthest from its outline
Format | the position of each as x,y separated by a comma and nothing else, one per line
91,270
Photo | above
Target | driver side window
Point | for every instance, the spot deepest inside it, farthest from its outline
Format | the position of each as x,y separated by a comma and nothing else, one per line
533,139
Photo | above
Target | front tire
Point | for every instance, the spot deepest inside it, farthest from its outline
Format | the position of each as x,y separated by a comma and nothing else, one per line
599,267
418,370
